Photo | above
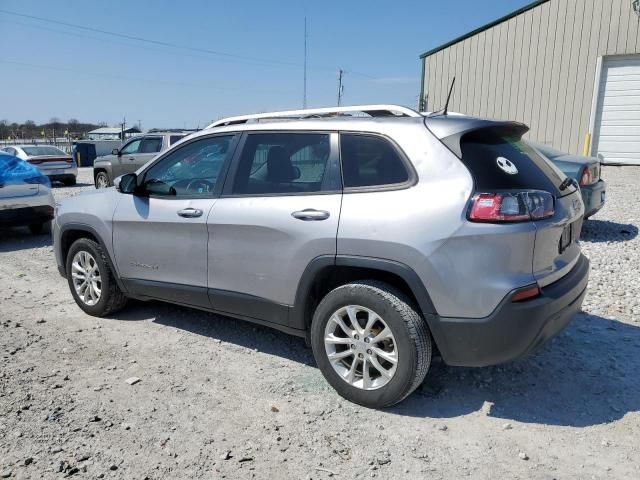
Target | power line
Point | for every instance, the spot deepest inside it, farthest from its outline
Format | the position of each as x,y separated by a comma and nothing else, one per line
147,40
134,45
183,47
140,79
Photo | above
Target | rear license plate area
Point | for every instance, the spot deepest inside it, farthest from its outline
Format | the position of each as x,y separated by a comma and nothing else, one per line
570,234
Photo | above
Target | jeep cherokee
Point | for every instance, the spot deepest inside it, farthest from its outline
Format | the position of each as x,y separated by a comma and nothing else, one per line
378,233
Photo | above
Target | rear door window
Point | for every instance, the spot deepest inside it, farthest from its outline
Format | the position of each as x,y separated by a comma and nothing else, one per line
150,145
175,138
499,159
369,161
284,163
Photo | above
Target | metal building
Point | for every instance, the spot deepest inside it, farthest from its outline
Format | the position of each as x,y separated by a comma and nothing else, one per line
570,69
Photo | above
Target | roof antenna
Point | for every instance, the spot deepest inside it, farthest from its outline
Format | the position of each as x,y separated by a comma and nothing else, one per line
446,106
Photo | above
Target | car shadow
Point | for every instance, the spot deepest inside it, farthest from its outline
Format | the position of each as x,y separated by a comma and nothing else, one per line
57,184
218,327
13,239
586,376
606,231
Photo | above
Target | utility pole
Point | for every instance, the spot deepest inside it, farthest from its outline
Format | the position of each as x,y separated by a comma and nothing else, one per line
304,89
340,87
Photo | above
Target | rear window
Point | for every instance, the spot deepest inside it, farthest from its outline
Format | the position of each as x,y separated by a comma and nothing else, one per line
175,138
499,159
36,151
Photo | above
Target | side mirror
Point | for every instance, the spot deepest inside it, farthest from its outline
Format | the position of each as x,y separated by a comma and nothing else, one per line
115,151
126,183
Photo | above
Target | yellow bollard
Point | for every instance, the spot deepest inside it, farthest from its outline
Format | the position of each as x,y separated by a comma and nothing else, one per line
587,145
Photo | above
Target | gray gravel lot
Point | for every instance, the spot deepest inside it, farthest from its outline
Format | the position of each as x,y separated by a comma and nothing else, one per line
220,398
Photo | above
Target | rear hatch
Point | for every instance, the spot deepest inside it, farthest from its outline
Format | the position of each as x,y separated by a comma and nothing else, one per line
514,183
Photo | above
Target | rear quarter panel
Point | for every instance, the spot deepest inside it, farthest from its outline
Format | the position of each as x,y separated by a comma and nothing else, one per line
467,268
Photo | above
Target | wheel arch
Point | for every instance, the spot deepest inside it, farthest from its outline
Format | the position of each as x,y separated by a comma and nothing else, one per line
74,231
325,273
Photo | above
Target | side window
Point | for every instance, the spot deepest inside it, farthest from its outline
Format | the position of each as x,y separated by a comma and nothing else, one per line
175,138
131,147
369,160
283,163
191,170
150,145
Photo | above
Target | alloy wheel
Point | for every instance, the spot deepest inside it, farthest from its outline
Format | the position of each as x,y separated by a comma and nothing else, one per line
361,347
86,277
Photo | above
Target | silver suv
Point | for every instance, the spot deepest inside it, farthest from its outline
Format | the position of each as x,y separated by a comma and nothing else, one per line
132,155
379,238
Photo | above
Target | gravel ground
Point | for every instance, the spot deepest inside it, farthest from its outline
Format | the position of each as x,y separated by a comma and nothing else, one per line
220,398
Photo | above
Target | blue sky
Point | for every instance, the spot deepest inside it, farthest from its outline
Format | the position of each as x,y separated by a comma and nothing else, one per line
49,69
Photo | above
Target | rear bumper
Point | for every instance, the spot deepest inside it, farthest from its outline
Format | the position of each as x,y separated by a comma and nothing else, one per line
513,329
26,215
60,173
593,197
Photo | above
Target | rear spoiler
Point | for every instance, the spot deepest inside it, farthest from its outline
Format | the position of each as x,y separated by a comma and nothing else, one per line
450,130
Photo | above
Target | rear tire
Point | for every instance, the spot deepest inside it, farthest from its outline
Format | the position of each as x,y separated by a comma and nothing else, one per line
409,343
99,295
70,182
102,180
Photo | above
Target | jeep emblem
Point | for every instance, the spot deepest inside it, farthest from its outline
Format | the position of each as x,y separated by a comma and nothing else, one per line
506,166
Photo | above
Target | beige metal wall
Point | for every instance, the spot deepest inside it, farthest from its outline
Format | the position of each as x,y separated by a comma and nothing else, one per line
538,67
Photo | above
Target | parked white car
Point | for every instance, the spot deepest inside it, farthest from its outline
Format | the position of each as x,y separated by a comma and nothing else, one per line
25,195
51,161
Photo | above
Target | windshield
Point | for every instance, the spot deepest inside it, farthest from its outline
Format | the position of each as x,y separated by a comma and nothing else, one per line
38,151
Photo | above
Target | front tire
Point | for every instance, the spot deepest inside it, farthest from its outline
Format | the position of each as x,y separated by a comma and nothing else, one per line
102,180
91,280
370,343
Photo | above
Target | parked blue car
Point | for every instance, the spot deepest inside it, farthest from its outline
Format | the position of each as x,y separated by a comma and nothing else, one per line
585,171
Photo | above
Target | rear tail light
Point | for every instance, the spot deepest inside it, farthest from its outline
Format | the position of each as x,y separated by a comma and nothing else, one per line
34,161
511,207
526,293
585,177
68,160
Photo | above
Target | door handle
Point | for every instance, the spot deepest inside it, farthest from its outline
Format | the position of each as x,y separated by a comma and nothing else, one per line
190,212
310,214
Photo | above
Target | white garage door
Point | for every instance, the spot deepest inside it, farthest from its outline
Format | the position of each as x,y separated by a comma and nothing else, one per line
617,124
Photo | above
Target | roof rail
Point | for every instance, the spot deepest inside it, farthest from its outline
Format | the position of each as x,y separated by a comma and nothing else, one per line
172,130
371,110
